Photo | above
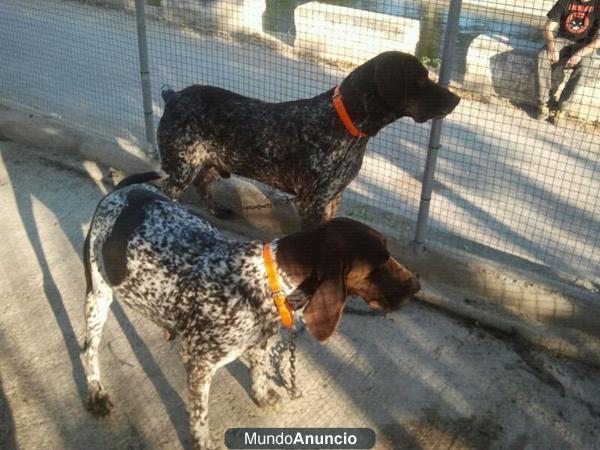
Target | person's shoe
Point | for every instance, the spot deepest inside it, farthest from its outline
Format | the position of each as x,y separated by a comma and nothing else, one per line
543,111
556,116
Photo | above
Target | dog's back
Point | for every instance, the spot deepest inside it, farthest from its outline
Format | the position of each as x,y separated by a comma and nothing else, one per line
142,244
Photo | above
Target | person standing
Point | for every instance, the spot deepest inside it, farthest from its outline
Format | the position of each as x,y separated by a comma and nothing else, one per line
571,35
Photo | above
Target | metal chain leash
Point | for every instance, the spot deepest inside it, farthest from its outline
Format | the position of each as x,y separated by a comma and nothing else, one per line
280,201
293,389
287,342
290,340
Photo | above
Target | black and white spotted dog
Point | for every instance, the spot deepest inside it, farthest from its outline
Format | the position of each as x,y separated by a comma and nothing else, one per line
214,294
312,148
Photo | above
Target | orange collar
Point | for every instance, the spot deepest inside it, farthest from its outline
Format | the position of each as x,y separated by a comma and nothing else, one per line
338,104
283,307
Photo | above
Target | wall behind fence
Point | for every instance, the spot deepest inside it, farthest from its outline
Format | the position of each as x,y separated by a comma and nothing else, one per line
506,182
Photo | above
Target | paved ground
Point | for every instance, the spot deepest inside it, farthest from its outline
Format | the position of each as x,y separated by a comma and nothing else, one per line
504,180
420,378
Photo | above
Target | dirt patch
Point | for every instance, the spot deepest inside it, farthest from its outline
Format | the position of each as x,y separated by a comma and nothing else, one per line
436,430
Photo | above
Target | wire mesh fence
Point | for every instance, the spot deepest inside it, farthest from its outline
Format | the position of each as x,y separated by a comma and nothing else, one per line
73,62
508,180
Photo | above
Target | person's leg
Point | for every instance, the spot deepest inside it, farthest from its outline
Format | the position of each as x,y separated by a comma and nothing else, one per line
557,72
543,76
579,74
550,76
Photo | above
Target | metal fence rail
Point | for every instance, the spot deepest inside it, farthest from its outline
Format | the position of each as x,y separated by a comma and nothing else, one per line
505,182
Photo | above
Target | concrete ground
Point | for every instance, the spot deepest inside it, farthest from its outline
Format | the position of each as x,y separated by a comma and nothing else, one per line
420,378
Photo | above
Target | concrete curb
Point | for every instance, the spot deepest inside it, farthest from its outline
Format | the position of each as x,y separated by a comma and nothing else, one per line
84,148
502,66
319,27
562,318
351,35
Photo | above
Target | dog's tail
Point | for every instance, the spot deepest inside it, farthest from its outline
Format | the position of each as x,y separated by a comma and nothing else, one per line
166,92
138,178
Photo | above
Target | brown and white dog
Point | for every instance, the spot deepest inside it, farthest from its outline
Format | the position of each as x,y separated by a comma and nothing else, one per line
215,294
312,148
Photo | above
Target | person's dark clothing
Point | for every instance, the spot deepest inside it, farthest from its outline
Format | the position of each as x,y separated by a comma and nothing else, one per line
579,22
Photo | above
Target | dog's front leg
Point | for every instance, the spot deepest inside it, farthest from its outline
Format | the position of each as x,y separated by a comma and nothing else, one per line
331,209
258,358
199,374
314,212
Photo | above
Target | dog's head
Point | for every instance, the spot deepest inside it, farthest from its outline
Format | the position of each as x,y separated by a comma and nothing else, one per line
403,84
343,257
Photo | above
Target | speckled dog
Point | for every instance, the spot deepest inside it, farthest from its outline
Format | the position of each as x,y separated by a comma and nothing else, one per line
214,294
312,148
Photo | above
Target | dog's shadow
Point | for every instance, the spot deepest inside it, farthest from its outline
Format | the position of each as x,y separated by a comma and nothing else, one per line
70,220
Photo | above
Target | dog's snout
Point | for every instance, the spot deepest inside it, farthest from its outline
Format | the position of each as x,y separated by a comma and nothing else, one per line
407,279
415,284
448,103
453,102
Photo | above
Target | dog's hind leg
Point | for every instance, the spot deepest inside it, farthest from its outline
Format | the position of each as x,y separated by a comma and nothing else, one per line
97,303
316,211
332,208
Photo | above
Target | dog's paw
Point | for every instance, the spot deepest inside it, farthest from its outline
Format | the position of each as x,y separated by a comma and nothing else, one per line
204,445
99,404
271,398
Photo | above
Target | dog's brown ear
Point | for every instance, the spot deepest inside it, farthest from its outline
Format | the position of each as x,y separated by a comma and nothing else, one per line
324,311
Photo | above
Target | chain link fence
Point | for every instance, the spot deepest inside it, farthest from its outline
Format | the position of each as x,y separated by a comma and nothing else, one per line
507,182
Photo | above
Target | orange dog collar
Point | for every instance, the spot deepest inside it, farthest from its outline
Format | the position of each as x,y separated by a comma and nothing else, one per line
342,112
283,307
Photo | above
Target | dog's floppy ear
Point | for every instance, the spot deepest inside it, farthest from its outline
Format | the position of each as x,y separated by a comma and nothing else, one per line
324,311
392,77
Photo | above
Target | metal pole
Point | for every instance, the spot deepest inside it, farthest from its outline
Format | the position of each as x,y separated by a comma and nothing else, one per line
436,126
140,16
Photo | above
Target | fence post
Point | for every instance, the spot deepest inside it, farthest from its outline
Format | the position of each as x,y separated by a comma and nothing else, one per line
436,126
140,16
